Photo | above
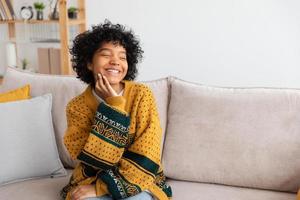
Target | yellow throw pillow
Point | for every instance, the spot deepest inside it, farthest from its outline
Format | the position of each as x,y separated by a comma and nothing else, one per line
15,95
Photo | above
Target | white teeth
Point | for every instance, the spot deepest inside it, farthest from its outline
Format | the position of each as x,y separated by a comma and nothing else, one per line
113,71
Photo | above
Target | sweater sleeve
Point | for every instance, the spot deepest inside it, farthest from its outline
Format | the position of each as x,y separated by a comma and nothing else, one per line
78,128
139,165
108,136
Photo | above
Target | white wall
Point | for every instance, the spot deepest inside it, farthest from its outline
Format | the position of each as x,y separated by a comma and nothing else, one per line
215,42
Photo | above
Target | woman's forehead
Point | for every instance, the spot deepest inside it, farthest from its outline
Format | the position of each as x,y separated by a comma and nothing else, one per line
112,45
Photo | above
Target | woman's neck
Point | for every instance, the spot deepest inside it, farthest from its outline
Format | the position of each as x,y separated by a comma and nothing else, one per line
118,88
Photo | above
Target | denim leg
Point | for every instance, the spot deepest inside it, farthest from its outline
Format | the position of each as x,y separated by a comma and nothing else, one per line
105,197
140,196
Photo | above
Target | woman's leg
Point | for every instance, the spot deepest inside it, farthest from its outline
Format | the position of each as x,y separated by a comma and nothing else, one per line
105,197
140,196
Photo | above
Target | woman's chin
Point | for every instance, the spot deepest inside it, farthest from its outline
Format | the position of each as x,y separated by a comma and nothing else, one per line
113,82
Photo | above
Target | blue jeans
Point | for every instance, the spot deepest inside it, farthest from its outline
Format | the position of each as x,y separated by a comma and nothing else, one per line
140,196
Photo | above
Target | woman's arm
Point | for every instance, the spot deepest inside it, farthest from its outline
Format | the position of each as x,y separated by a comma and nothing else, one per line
107,139
78,129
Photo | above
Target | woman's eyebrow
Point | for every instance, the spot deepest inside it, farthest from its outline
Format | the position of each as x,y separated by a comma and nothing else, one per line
107,49
103,49
122,52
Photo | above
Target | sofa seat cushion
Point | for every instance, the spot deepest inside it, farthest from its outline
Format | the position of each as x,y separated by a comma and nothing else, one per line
49,188
37,189
192,190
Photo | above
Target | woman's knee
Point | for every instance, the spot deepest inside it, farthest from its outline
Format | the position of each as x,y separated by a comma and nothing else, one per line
141,196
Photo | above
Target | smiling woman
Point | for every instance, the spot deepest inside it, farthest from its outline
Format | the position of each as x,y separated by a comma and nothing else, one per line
88,45
110,63
113,126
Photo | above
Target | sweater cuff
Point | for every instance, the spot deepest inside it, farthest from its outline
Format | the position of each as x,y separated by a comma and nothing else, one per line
118,102
101,188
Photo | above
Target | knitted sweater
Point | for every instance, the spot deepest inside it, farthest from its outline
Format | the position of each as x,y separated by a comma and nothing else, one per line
117,143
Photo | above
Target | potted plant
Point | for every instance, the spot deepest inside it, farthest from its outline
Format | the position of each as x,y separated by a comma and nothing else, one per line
39,7
72,12
24,63
54,15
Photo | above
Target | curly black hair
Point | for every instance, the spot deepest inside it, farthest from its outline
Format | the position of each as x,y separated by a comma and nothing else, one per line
88,42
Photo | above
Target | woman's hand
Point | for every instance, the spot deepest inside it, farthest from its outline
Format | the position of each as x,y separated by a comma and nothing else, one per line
103,87
83,191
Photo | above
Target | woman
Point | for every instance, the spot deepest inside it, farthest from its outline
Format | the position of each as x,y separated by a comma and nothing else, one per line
113,126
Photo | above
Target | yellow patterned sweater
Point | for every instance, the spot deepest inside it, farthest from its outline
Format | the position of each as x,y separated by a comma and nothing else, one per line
117,143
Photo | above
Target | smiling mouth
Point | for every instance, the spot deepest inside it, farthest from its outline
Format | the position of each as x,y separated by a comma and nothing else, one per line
113,71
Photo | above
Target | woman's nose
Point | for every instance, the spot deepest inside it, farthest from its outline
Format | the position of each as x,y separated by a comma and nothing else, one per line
114,61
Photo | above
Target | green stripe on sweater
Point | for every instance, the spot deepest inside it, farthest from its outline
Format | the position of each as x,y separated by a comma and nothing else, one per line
111,126
142,161
87,158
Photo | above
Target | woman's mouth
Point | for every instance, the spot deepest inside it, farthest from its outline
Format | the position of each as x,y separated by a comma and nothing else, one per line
113,72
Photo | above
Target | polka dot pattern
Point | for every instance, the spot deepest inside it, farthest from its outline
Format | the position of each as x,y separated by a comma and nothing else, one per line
79,122
134,175
103,150
147,126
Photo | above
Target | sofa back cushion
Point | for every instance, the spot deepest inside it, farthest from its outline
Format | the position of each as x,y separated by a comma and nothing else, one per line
234,136
63,89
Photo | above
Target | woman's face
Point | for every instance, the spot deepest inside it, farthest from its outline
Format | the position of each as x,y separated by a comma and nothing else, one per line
110,60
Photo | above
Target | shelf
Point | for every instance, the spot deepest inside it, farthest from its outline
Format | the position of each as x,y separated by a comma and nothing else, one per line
64,26
76,21
41,41
47,21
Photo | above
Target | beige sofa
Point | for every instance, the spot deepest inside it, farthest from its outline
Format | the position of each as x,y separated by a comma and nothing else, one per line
220,143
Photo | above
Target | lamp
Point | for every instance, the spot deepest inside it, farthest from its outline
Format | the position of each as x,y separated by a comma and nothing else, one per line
11,56
11,59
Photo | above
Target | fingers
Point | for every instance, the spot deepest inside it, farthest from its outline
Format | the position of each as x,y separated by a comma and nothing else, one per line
78,194
75,194
103,87
109,88
101,84
82,192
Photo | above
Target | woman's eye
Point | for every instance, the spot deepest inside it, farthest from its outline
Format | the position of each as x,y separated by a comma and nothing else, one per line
123,58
